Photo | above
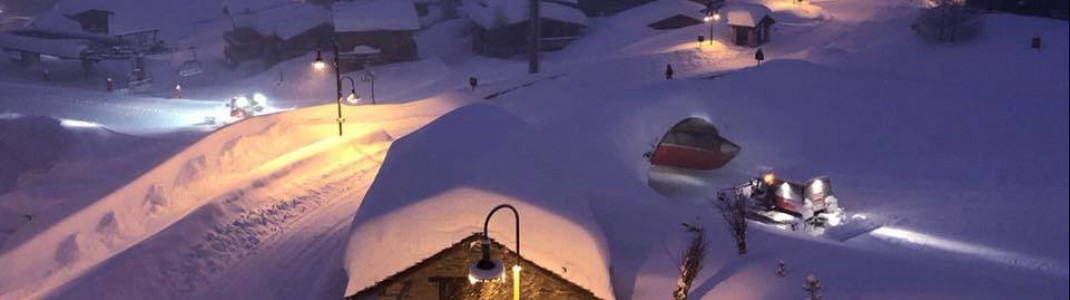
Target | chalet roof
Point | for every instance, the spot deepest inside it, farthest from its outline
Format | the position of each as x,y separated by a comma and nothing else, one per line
375,15
57,20
492,14
76,15
661,10
281,18
746,14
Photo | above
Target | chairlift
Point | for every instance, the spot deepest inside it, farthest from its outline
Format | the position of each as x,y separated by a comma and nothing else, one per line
192,66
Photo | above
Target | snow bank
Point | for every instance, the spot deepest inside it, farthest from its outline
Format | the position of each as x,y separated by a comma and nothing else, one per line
210,171
373,15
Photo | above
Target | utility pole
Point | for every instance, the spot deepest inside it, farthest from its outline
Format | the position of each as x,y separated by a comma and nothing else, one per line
535,22
338,83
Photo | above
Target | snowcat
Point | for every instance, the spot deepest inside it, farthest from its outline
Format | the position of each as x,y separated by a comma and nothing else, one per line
810,205
243,106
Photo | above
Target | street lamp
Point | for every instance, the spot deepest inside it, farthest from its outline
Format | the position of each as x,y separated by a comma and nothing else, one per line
489,268
711,17
319,64
353,98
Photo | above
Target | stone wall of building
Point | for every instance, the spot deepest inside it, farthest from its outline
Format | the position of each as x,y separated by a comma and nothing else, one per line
444,276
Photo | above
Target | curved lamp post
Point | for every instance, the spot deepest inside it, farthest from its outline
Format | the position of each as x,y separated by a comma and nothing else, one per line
489,268
353,98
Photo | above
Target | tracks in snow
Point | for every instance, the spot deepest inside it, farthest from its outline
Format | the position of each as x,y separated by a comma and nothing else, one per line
227,242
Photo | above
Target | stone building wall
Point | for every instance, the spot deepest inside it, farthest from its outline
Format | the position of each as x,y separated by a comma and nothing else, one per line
444,276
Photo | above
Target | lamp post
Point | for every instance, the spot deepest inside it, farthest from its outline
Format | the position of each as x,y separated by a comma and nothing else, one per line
713,14
369,76
535,24
711,17
489,268
320,64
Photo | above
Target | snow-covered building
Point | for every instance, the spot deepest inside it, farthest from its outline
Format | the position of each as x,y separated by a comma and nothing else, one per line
274,30
666,14
750,24
500,27
92,20
608,7
401,224
386,27
444,276
433,11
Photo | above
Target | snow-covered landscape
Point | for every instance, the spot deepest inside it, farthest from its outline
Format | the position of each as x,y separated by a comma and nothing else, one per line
210,151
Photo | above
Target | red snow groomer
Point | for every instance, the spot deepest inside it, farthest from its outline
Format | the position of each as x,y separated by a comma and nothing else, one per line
790,204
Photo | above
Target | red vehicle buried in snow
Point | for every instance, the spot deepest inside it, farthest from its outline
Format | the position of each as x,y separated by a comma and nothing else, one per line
693,143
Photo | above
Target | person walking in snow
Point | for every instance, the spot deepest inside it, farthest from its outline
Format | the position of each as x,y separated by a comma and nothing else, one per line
668,72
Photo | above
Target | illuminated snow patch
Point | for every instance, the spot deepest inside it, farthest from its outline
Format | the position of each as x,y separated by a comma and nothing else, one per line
973,250
77,124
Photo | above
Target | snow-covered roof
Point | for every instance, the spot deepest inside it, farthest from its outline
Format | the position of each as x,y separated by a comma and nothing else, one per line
72,7
363,49
372,15
660,10
282,18
461,177
498,13
55,21
62,48
746,14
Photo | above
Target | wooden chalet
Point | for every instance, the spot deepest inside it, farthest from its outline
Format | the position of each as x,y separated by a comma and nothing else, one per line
92,20
500,27
274,30
750,25
376,31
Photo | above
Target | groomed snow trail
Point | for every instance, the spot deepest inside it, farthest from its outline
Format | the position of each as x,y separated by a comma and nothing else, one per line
123,113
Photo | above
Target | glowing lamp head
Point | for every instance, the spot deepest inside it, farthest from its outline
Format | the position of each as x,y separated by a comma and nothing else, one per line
707,19
487,268
259,98
241,101
769,178
353,98
818,188
318,64
716,16
786,192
